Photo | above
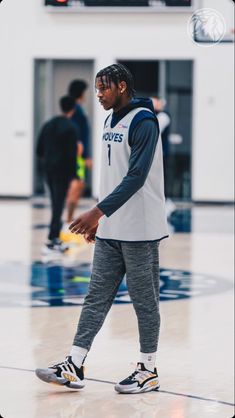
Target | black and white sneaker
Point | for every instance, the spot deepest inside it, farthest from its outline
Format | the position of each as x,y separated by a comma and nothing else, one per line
63,374
54,247
142,380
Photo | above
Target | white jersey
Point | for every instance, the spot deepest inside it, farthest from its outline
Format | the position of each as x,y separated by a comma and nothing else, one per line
143,216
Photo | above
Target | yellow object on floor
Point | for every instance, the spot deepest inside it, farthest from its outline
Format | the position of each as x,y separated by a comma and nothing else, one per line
66,236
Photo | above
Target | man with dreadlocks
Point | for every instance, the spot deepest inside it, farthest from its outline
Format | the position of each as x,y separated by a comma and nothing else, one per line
127,225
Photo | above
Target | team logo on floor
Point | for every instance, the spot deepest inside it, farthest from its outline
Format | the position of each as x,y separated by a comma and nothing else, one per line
53,284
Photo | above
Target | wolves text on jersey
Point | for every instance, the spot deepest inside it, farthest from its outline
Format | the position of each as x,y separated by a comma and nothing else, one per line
113,136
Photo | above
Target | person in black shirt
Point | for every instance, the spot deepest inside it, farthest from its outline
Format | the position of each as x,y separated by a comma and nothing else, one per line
57,146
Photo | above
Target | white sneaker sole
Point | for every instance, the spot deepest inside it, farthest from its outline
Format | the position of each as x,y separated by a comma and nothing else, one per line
51,378
146,388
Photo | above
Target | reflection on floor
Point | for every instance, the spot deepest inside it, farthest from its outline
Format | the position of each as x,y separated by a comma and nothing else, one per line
40,303
186,218
201,219
55,284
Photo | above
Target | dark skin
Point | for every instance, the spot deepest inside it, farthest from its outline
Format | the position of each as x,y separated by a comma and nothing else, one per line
110,97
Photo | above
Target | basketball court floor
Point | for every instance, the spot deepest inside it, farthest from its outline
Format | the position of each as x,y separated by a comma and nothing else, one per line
40,303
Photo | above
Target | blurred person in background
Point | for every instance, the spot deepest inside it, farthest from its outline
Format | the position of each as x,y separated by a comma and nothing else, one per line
57,146
164,120
77,90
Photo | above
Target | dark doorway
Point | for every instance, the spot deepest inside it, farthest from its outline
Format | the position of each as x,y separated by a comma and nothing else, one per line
51,80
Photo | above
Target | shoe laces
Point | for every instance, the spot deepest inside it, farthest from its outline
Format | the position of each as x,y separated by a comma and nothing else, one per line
141,373
66,361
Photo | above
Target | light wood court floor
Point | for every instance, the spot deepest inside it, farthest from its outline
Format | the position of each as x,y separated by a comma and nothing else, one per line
40,303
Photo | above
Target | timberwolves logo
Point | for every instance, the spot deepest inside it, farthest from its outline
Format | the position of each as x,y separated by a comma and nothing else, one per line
206,26
52,284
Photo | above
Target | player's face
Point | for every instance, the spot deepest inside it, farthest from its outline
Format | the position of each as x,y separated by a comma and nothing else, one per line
109,95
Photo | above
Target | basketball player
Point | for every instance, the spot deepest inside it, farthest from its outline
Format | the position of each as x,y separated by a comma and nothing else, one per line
127,225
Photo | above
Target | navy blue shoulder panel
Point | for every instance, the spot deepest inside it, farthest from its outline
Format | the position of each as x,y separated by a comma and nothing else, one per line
143,114
106,120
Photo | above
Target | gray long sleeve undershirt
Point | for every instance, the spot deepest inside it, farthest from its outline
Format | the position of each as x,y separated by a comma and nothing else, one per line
143,145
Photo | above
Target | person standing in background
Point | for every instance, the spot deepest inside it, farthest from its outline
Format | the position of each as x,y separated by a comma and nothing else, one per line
164,120
57,146
77,90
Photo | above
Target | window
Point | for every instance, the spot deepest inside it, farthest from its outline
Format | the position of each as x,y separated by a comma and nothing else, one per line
119,3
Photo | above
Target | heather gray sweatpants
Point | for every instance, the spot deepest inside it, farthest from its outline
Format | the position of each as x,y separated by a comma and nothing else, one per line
112,259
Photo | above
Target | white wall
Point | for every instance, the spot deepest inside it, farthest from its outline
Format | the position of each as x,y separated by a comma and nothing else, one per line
213,143
28,31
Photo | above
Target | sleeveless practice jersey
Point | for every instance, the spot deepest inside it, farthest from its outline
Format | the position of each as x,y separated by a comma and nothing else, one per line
142,217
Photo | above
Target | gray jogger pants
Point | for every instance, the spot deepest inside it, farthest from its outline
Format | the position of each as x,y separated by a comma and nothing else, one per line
112,259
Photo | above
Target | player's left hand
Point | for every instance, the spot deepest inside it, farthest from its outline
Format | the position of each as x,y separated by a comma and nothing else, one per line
86,222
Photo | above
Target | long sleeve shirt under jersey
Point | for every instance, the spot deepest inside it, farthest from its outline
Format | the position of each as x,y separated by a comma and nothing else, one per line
143,141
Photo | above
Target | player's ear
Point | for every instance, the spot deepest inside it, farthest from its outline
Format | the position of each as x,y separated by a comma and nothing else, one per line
122,86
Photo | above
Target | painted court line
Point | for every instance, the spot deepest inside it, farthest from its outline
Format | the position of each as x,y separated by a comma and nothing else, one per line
113,383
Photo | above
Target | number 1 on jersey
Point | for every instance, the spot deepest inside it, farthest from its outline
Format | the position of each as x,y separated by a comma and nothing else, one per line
109,153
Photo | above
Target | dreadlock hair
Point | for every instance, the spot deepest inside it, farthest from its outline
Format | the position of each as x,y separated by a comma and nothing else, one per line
116,73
